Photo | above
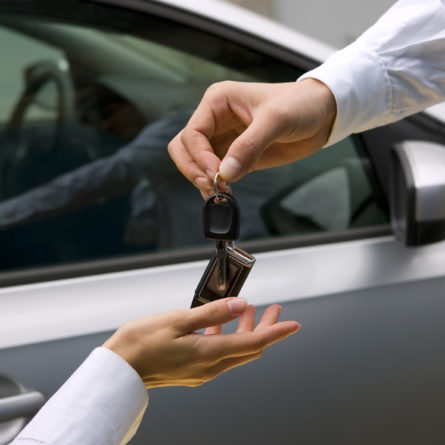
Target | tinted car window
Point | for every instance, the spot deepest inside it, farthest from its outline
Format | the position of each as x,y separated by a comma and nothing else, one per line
87,111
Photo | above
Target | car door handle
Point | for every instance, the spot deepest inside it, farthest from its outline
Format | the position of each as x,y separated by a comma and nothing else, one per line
21,405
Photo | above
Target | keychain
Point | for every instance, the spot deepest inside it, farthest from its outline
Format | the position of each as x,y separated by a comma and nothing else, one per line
229,266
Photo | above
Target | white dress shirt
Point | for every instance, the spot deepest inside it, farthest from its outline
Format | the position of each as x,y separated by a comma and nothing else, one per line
102,403
394,69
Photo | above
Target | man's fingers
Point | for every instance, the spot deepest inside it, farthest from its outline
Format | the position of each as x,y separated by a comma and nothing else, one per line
247,148
187,165
212,314
247,320
207,122
198,147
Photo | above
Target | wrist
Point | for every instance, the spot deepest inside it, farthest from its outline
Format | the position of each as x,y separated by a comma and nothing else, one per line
326,105
123,343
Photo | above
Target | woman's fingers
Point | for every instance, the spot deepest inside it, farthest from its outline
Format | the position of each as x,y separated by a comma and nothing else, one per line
218,347
213,330
247,320
211,314
270,316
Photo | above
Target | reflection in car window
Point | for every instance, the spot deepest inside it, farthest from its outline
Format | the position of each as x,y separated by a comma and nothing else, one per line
27,51
328,191
84,168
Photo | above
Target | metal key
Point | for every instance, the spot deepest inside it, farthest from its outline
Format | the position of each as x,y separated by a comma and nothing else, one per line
221,220
221,253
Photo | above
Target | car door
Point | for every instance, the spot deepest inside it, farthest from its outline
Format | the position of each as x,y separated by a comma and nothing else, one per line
98,227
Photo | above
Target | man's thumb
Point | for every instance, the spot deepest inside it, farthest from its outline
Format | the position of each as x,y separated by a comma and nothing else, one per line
248,147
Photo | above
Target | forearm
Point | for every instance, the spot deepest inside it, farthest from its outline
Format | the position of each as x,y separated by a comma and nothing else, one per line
393,70
102,179
102,403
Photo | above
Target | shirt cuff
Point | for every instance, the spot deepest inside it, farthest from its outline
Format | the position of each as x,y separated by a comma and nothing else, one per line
361,87
102,403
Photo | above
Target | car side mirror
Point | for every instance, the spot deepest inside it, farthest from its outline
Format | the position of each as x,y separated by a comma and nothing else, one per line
418,192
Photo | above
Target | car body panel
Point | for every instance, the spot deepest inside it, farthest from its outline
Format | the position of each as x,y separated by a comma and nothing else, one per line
94,304
367,367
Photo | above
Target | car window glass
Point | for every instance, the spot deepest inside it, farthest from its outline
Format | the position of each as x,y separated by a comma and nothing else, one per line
328,191
26,52
86,113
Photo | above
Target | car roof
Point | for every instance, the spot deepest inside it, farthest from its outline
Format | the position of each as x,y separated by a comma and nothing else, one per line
267,29
254,24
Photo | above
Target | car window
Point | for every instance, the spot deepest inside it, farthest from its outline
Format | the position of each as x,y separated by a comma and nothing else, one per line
86,113
328,191
26,52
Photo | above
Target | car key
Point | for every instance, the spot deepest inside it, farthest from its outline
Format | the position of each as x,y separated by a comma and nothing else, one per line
229,266
239,265
221,221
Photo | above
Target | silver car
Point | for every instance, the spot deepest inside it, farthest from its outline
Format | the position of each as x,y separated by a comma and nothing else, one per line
97,227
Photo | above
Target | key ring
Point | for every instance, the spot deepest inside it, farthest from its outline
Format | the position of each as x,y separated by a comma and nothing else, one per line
215,187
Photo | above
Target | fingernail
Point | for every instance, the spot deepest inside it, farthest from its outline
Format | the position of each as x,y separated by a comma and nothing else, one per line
210,174
202,183
237,305
296,328
230,168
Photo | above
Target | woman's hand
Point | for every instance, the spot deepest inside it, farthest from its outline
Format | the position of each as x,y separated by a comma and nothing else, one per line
165,350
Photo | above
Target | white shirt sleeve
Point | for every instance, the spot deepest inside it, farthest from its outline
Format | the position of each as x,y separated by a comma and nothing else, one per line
102,403
394,69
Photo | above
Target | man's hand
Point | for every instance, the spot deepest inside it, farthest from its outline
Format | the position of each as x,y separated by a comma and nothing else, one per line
252,126
165,350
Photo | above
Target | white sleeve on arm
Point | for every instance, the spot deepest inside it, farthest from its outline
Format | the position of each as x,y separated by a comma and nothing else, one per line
102,403
394,69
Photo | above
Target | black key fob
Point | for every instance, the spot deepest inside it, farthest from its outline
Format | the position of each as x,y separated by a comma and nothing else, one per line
239,264
221,217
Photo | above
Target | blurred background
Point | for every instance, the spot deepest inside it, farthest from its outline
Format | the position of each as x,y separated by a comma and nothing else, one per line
336,22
